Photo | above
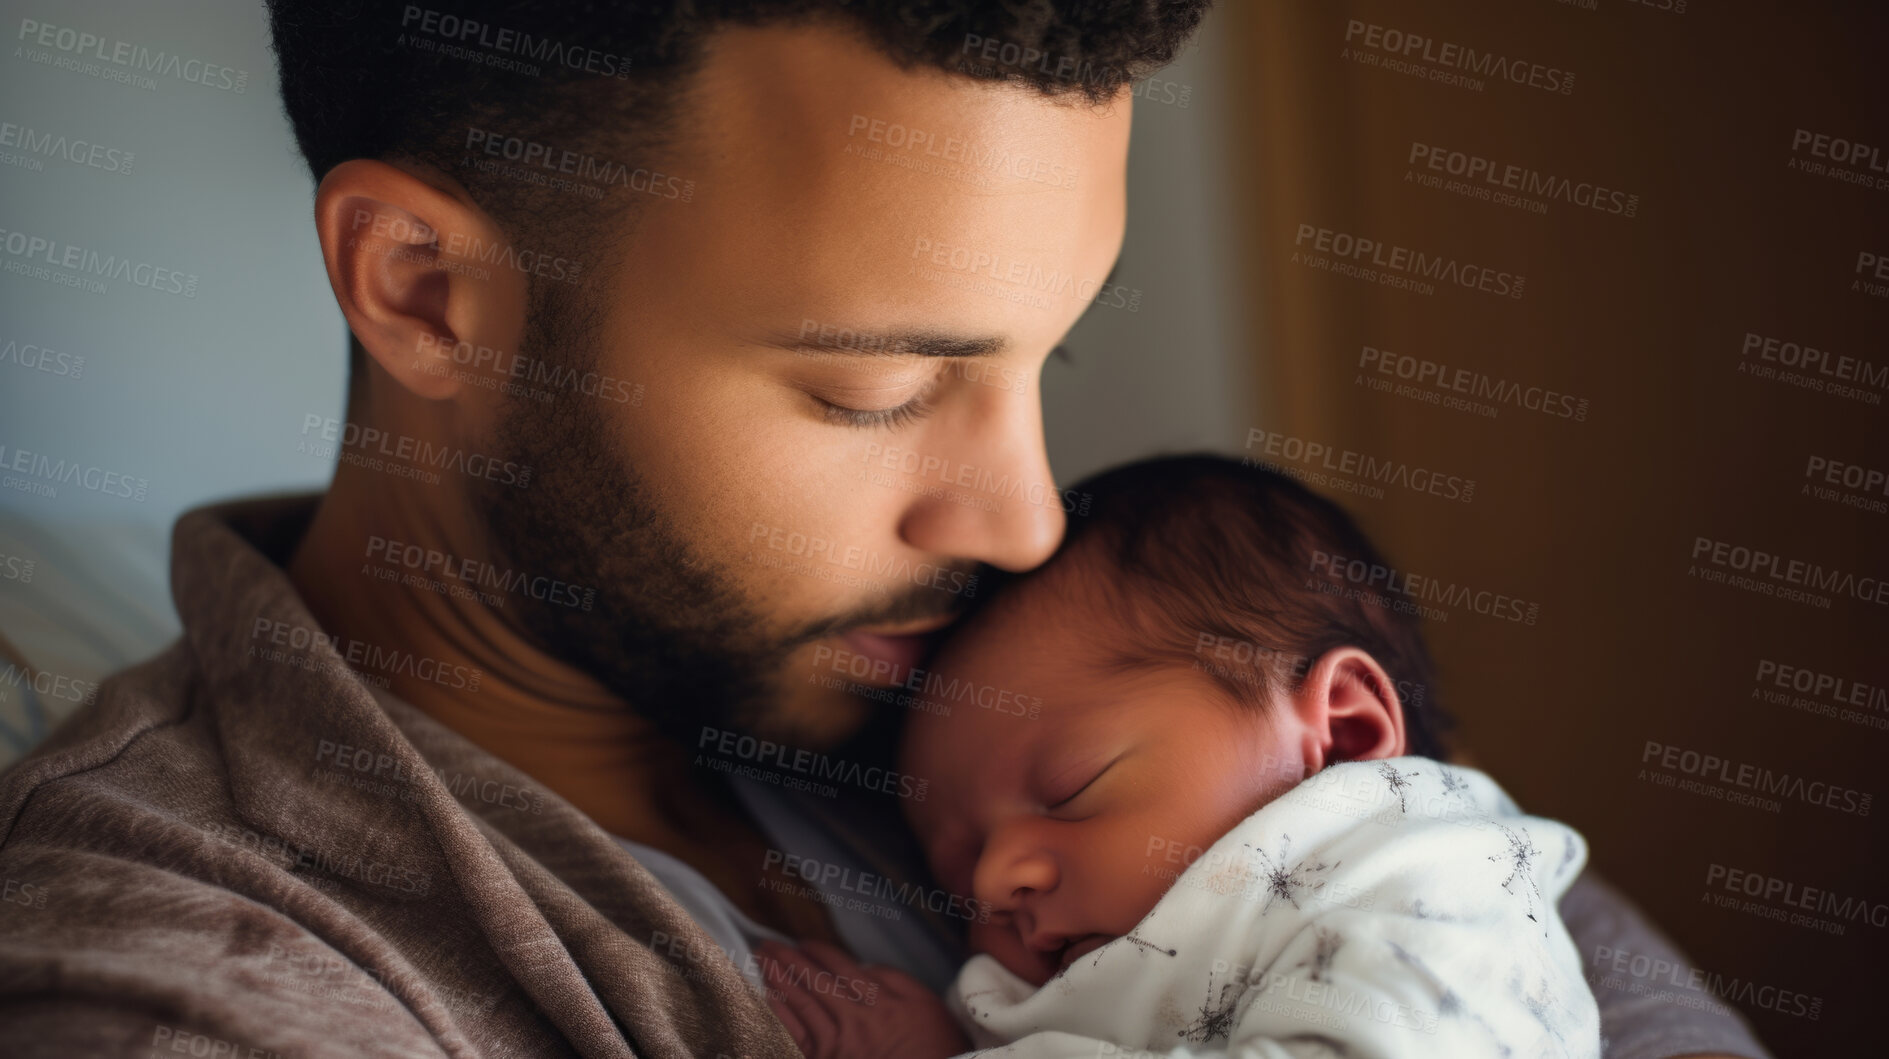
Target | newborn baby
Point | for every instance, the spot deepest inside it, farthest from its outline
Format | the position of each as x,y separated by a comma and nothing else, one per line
1215,837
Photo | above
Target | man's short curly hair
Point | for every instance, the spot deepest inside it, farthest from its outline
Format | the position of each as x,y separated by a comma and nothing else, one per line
602,79
391,79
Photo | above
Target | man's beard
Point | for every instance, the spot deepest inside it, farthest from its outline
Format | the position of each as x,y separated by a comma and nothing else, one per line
669,630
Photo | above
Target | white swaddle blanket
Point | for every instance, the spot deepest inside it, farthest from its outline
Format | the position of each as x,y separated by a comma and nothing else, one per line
1395,909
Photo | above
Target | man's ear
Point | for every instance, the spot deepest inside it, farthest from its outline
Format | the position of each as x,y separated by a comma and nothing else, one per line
416,270
1350,710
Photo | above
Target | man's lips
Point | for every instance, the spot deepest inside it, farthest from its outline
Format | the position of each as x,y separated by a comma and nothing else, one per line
895,650
916,627
894,657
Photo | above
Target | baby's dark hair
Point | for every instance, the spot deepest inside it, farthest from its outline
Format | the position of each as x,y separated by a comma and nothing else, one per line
1241,573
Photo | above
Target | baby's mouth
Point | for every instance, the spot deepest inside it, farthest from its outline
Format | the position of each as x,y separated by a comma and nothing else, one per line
1079,948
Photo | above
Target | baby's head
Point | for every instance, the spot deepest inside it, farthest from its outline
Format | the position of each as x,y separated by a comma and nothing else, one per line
1196,651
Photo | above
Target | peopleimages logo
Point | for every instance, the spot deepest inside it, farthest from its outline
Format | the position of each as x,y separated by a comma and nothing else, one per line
383,772
1651,973
1841,151
132,57
1757,778
417,453
453,568
577,165
768,754
1778,570
1026,276
936,687
39,358
538,373
1407,585
1418,48
1355,465
301,647
1523,180
1483,387
1398,266
981,480
828,875
1823,685
471,247
989,158
869,564
44,144
1836,366
32,251
1788,892
17,568
50,685
329,861
454,30
38,473
1836,158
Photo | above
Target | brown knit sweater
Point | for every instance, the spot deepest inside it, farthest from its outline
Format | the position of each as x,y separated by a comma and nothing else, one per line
242,850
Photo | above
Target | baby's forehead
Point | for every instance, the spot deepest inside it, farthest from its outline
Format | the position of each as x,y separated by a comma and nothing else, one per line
1079,589
1012,666
1045,623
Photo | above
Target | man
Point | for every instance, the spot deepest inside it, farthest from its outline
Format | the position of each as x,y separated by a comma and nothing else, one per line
668,320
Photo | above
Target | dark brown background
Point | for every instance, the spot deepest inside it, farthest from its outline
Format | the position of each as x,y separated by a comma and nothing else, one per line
1695,113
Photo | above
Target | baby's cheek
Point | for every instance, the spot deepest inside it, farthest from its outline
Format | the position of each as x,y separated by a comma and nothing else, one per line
1002,943
1147,892
985,937
1118,891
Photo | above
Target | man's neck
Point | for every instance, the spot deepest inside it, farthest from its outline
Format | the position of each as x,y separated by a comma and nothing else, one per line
546,718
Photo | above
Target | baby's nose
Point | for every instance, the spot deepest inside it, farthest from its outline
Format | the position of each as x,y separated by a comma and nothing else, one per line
1010,878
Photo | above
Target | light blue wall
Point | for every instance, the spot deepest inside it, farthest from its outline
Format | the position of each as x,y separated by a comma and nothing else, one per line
201,396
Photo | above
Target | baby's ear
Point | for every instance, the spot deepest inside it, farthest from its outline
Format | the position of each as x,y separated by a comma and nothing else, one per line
1351,708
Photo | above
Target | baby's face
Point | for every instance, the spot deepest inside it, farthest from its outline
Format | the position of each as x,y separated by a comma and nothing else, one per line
1072,824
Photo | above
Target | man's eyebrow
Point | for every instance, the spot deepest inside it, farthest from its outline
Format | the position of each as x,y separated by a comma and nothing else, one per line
858,342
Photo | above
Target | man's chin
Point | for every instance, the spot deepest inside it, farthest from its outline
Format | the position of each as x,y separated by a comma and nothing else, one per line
815,709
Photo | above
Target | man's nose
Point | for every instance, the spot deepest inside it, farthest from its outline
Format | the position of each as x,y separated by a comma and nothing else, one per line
990,497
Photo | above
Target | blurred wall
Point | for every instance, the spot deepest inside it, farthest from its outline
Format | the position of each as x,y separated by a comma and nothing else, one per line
197,391
1566,312
1177,373
183,378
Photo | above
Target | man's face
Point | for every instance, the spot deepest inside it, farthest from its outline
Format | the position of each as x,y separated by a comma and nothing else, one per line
803,468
